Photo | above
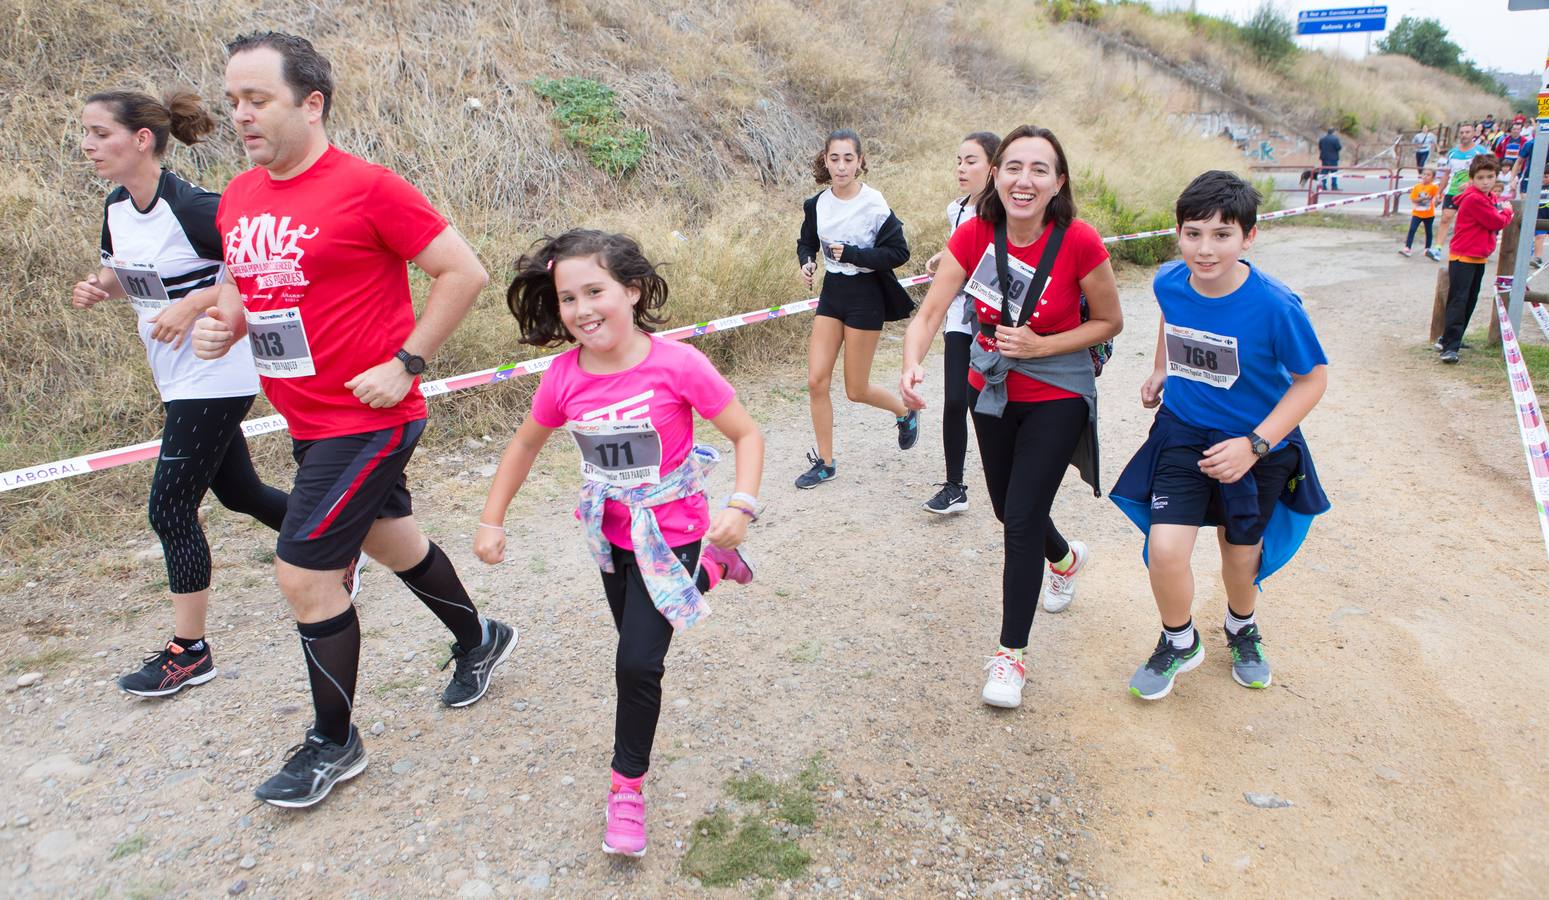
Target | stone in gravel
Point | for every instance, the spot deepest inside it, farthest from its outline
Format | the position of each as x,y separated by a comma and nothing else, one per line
29,679
1387,774
1343,611
409,657
539,881
475,888
378,727
59,767
248,862
55,846
237,887
520,706
403,766
567,781
832,884
23,821
1265,801
487,471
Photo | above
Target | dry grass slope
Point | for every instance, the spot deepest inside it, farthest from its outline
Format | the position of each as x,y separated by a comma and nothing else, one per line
1380,94
735,95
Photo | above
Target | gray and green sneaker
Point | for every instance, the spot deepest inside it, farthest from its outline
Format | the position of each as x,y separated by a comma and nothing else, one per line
1249,667
1154,680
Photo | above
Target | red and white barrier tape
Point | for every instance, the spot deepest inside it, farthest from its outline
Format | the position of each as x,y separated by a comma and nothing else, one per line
107,459
1277,214
1530,419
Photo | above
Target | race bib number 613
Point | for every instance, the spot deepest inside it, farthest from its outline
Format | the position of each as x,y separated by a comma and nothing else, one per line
279,340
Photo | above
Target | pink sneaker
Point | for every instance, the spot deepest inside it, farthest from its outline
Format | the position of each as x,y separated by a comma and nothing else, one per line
738,568
625,834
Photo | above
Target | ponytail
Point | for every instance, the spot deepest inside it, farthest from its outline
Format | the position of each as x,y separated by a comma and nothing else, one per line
180,113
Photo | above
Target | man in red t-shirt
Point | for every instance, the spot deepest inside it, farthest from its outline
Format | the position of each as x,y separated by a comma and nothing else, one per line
316,242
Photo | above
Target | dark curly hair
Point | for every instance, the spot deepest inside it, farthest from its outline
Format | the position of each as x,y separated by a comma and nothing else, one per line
534,302
820,162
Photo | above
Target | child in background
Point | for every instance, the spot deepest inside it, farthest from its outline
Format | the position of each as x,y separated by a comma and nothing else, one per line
1481,216
628,398
1241,367
1422,198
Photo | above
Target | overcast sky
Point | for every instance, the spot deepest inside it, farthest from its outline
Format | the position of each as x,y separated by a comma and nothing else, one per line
1488,33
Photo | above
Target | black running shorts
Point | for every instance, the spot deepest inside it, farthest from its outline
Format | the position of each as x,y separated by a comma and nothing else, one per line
855,300
1181,494
343,485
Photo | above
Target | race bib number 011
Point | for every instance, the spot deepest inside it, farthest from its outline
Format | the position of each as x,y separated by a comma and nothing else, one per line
626,454
1201,356
279,340
984,285
141,284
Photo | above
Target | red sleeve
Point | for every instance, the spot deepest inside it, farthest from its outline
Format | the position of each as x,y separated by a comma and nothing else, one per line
1090,253
702,385
402,217
967,243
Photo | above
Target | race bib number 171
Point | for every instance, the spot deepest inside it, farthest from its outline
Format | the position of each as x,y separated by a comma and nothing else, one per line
624,453
1201,356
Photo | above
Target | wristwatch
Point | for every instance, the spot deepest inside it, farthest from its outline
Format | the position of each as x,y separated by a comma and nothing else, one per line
414,364
1260,446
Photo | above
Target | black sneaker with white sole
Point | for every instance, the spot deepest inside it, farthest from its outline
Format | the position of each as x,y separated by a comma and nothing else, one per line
950,499
314,766
908,429
475,667
169,670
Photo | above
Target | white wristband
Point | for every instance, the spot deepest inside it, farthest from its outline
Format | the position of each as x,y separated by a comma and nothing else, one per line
499,528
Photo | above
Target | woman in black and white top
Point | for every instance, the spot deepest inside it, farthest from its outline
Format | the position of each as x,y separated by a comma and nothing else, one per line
860,242
973,173
161,251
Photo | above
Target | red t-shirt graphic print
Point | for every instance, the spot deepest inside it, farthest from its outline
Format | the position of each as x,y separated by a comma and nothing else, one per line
320,260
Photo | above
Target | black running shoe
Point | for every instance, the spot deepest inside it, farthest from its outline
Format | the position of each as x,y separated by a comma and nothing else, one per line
169,670
311,770
908,429
819,473
475,667
950,499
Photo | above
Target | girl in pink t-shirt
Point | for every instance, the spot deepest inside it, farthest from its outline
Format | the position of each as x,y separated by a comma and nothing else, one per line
628,398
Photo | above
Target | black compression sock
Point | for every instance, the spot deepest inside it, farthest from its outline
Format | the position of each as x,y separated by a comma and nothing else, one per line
332,651
435,582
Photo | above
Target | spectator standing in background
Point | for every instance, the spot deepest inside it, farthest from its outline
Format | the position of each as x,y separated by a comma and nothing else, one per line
1328,160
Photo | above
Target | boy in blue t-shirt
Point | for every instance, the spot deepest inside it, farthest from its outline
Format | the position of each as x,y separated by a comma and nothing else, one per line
1240,367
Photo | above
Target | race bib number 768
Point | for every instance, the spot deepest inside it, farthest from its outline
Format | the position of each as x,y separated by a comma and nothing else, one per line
1201,356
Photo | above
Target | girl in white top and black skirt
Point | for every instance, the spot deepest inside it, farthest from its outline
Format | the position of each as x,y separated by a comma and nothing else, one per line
973,172
860,241
161,251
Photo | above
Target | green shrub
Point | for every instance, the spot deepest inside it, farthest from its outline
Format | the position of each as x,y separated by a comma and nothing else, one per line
1101,206
1270,35
589,112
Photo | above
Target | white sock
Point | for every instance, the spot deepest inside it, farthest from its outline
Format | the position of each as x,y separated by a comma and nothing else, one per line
1181,639
1235,625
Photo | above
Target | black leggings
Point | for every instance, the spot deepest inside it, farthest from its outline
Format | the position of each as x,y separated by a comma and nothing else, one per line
1025,453
644,635
202,449
954,409
1414,225
1463,282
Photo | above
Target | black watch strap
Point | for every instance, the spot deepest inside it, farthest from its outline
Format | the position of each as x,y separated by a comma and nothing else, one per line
1260,446
414,365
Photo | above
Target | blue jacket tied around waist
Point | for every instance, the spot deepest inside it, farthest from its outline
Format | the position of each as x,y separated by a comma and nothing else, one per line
1301,501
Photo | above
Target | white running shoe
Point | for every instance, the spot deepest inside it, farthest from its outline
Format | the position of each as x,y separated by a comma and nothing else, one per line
1059,589
1003,687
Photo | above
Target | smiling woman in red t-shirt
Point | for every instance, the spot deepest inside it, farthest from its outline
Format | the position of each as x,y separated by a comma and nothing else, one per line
1033,392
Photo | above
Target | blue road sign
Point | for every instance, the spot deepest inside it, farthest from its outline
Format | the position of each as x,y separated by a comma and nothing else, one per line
1342,21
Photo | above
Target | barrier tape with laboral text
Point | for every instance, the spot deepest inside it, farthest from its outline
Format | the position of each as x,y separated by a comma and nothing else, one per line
107,459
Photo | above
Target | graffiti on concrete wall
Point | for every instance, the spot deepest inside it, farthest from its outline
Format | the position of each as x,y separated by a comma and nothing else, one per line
1261,144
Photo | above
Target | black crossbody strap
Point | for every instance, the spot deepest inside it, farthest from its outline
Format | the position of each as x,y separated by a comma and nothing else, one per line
1040,277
